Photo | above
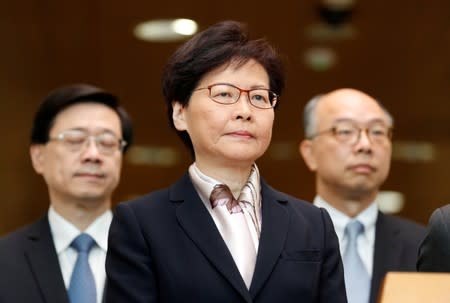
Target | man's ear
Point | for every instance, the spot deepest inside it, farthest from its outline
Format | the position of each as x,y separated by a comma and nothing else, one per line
178,117
37,154
306,149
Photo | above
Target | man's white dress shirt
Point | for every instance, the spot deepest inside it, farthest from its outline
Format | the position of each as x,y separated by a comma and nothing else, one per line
64,233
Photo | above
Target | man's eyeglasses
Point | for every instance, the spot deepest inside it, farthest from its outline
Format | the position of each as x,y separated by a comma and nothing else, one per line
75,140
225,93
350,133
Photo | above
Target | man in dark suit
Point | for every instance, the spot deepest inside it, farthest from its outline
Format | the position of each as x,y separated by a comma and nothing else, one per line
434,252
78,137
348,146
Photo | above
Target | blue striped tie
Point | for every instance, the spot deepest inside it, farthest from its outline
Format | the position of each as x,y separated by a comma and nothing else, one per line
357,280
82,283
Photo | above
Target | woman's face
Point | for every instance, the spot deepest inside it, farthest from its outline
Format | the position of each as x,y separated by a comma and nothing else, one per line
227,134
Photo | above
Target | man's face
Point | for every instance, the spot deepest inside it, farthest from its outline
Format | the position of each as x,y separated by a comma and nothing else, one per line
350,167
80,172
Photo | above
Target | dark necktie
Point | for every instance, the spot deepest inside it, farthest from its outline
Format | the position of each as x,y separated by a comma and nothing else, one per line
357,280
82,284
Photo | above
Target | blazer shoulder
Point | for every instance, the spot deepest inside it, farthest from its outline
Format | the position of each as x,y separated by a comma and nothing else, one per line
176,191
18,237
151,197
289,199
408,229
445,209
440,215
304,209
14,245
439,223
148,204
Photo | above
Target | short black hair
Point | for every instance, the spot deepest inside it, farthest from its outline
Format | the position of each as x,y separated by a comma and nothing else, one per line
65,96
222,43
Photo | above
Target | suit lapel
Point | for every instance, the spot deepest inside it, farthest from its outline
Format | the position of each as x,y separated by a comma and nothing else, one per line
275,223
200,227
387,252
44,264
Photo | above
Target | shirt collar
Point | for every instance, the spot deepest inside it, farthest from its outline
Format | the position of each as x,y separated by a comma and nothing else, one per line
205,184
367,217
202,183
64,232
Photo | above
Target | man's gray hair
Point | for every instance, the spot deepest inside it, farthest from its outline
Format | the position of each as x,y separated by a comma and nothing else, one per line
310,118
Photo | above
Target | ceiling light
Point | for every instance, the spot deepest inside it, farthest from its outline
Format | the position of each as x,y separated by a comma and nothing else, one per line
154,155
184,27
165,30
390,202
338,4
412,151
320,58
320,32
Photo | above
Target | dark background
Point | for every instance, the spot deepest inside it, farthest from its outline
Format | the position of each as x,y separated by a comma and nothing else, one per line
397,51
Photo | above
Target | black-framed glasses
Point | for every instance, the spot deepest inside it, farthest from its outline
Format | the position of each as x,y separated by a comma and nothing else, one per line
76,139
225,93
349,132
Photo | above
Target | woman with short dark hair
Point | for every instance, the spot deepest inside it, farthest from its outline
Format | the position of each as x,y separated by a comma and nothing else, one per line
220,233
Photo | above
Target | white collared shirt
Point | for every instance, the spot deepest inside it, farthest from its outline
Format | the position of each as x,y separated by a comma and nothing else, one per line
366,242
64,233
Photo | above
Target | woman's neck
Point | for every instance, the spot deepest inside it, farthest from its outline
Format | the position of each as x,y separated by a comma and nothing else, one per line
235,177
